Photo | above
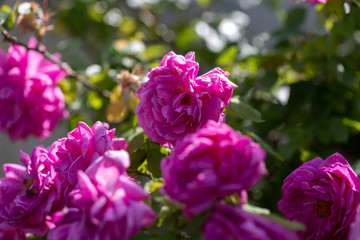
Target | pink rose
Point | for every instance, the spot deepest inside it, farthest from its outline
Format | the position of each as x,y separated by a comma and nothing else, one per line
28,194
233,223
323,195
174,102
31,103
210,164
106,204
82,147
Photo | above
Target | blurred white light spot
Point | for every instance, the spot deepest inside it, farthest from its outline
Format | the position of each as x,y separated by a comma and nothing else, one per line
346,8
240,18
283,94
113,17
214,42
229,29
139,3
246,4
208,16
247,50
136,46
127,62
202,28
93,69
357,36
340,68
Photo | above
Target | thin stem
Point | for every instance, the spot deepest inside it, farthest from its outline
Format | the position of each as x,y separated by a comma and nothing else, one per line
137,172
69,71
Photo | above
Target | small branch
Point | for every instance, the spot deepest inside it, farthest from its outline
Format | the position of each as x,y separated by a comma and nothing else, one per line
69,71
137,172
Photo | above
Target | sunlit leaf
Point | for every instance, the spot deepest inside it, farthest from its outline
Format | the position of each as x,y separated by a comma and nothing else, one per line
6,17
244,110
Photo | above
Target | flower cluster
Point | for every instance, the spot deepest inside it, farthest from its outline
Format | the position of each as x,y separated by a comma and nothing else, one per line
79,177
31,103
324,196
211,164
29,193
174,102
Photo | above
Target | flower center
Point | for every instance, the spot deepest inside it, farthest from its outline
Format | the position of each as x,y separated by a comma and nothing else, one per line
186,100
323,208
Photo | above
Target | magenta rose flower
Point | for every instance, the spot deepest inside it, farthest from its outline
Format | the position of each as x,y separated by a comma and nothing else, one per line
174,102
82,147
28,194
12,235
323,195
233,223
31,103
106,204
355,226
208,165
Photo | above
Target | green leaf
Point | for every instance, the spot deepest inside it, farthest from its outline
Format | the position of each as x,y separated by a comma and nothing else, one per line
255,209
339,132
135,141
137,158
244,110
154,158
295,18
153,185
286,223
228,56
351,123
6,17
264,145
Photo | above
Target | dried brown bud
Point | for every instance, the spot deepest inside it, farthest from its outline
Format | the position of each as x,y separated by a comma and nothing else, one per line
27,23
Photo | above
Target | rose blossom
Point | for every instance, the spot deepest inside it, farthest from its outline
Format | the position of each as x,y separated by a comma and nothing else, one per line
81,147
28,194
211,164
233,223
12,235
174,102
105,205
323,195
31,103
355,227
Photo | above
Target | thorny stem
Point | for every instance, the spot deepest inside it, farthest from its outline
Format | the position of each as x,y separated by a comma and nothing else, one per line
69,71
